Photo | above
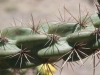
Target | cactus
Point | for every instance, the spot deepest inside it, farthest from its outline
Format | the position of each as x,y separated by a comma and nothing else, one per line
24,47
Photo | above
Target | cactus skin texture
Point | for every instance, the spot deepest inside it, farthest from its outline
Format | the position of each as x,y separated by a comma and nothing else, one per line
24,47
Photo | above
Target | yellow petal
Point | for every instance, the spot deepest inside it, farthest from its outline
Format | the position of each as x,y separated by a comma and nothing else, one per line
46,69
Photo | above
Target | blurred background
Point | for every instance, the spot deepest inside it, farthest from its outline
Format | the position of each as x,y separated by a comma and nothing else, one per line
41,9
47,10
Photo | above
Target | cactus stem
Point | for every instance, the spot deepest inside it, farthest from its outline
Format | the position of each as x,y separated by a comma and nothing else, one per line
52,38
21,55
35,29
76,50
81,22
97,33
3,39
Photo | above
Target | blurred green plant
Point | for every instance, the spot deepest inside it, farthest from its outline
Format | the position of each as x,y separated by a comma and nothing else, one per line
11,9
3,1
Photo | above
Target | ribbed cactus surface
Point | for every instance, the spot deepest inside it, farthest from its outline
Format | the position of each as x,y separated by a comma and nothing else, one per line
24,47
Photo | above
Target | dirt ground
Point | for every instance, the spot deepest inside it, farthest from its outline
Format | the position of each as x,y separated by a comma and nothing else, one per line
47,9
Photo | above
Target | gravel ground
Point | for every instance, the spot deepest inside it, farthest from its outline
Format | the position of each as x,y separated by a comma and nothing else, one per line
46,9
